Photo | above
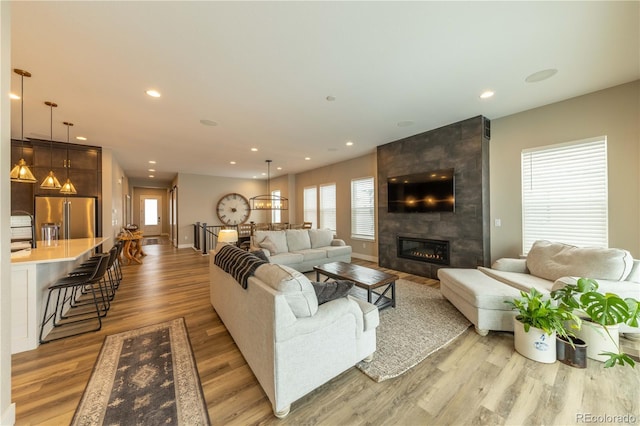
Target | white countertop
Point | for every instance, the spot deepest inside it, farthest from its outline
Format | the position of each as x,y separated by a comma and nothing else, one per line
58,251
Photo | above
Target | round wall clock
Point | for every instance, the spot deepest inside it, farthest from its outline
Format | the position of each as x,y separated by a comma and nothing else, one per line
233,209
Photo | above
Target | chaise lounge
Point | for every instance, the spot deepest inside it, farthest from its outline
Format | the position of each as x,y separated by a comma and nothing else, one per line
480,294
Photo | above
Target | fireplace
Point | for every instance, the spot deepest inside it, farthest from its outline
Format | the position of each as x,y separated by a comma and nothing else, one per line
423,250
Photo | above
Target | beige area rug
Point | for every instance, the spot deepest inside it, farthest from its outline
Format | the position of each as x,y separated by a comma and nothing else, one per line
146,376
422,322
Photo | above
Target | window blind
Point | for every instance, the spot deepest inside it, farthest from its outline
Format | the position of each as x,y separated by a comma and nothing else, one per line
328,207
310,205
564,194
363,209
276,214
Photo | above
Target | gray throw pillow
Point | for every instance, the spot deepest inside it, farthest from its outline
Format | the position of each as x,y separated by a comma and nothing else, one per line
260,254
331,290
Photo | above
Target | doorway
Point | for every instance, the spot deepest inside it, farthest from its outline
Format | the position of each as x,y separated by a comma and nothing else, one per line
151,215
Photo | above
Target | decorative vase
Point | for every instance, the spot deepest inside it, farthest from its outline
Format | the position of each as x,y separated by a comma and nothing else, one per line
574,356
598,340
534,344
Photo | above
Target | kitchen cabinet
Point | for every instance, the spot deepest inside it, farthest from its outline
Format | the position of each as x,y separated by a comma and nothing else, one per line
82,163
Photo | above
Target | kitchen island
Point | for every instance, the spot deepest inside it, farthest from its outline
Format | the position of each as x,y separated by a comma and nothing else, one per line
32,271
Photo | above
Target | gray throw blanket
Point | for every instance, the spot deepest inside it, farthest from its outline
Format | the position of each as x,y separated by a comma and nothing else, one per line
238,263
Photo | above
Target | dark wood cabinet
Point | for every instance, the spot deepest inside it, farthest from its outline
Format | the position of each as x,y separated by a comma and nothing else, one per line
81,163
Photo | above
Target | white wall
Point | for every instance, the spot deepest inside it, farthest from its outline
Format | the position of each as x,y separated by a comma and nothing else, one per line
198,197
7,409
613,112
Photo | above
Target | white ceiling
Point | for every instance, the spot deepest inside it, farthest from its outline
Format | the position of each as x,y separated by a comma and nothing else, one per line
263,71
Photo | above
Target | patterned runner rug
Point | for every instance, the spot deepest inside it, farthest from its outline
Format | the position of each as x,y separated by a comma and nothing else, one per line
146,376
422,322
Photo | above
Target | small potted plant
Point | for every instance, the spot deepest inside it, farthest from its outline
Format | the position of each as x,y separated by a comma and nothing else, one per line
537,324
603,311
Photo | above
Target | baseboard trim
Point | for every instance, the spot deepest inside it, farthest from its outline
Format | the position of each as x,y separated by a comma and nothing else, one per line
365,257
9,415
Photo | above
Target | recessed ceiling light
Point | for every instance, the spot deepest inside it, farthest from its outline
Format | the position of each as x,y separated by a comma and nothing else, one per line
541,75
208,122
14,96
330,98
152,170
349,143
254,149
81,138
264,174
153,93
405,123
151,176
152,162
307,158
279,168
487,94
232,162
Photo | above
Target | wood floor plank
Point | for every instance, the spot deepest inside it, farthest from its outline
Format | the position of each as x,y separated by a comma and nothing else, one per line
473,380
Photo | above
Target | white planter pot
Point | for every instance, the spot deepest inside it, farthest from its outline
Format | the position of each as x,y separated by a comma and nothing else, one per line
598,340
535,344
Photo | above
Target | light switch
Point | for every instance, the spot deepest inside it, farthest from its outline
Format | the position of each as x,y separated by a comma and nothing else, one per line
498,223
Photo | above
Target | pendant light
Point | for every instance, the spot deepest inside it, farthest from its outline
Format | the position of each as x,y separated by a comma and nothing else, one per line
21,172
269,201
68,187
51,181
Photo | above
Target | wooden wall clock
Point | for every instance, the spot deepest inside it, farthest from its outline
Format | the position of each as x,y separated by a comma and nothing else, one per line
233,209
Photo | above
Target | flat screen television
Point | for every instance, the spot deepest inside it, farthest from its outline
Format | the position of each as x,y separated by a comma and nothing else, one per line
428,192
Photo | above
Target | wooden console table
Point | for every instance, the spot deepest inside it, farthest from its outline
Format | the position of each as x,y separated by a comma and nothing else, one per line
132,249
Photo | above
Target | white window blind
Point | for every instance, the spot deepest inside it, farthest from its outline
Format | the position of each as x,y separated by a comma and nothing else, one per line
363,209
564,194
328,207
310,205
275,214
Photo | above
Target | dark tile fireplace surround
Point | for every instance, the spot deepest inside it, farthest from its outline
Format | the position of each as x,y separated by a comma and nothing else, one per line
421,243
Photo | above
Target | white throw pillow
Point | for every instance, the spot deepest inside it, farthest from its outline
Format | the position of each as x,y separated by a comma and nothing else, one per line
297,289
552,261
320,237
277,237
298,239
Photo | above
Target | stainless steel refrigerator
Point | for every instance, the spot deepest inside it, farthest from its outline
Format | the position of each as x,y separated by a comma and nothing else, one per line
75,215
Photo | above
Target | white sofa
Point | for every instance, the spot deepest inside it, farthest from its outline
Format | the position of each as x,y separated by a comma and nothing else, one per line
480,293
292,344
301,249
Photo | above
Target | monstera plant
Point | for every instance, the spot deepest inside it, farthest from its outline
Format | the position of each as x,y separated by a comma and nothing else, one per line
604,309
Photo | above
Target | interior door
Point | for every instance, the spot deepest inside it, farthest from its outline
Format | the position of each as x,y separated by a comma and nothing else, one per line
151,215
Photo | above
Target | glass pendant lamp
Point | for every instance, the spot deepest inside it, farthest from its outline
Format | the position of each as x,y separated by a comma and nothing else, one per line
68,187
21,172
51,181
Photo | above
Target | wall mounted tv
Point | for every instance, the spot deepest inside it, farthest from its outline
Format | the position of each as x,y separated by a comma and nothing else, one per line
433,191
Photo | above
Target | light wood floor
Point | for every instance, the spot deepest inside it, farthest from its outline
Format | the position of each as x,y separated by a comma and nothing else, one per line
474,380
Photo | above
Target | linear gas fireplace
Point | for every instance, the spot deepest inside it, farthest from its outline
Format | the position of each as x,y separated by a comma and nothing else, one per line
424,250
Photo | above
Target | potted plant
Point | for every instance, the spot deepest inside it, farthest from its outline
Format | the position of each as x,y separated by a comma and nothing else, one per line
537,324
605,310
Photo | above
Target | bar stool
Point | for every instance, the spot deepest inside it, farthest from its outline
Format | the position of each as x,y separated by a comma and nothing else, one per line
88,267
76,283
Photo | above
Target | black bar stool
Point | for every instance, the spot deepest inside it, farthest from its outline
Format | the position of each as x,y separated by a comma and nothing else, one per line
59,317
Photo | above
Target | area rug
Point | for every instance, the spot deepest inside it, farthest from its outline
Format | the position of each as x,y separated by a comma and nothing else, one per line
146,376
422,322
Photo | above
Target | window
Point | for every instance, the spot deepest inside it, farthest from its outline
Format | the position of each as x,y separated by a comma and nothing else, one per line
564,194
328,207
275,214
310,205
363,209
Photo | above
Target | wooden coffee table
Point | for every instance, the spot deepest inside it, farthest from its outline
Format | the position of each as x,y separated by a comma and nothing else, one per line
366,278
